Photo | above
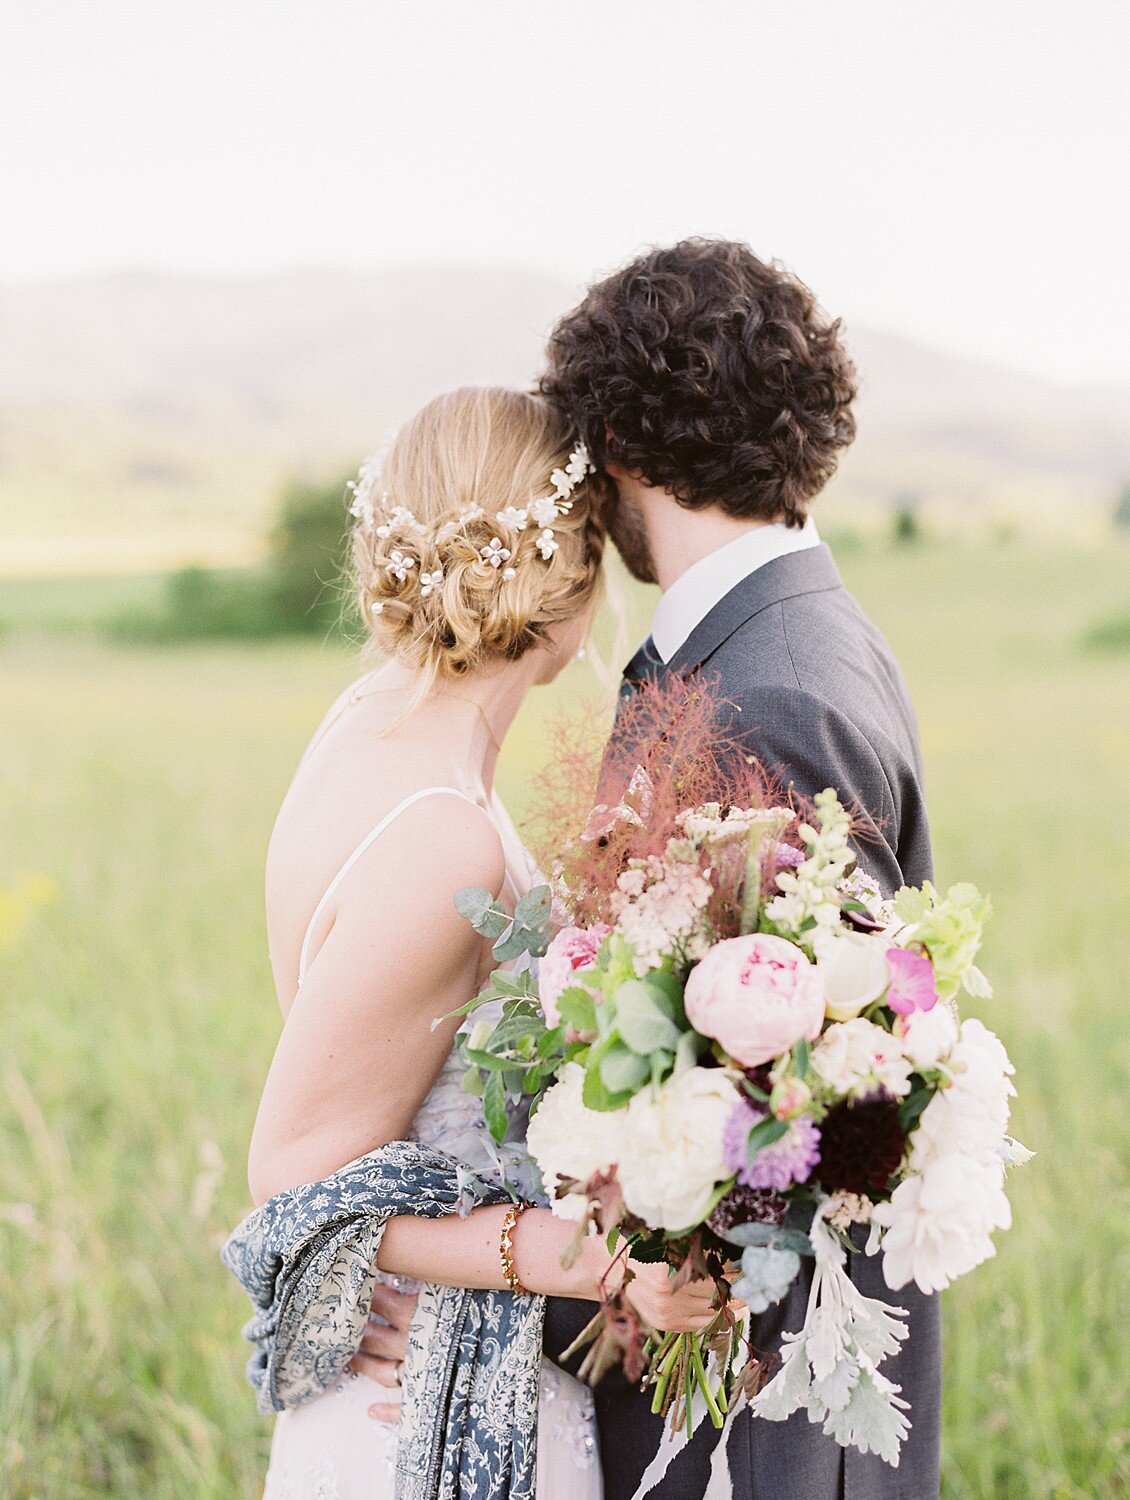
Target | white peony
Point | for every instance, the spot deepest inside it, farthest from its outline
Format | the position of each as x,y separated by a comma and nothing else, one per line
567,1139
939,1224
969,1115
672,1158
928,1036
856,1057
852,967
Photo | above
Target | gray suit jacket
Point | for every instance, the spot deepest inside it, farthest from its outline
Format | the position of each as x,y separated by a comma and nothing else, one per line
817,697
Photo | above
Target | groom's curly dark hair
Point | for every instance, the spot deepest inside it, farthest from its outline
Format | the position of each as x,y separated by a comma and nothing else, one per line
711,374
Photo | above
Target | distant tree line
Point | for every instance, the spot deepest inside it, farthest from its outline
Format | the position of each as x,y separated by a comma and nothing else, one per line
299,589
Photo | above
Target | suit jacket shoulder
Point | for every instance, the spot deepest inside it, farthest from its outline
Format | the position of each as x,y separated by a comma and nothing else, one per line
818,696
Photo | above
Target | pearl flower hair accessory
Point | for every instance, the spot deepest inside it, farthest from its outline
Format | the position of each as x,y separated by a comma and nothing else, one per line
373,512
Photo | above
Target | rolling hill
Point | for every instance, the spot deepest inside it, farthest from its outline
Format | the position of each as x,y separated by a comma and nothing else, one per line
149,419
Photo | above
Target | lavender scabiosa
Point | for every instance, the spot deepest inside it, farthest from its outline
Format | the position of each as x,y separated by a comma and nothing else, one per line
779,1166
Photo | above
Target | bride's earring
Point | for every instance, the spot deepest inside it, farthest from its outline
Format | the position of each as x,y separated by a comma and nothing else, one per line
581,654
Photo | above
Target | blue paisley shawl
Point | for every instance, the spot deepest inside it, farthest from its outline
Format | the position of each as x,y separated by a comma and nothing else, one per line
306,1258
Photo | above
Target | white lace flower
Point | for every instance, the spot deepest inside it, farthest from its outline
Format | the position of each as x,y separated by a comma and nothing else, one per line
430,582
547,544
513,517
543,512
400,564
495,553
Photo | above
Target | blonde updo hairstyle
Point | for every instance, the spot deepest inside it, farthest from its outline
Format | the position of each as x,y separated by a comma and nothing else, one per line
435,504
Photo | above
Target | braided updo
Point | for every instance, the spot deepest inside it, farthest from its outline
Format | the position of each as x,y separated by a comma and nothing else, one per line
453,569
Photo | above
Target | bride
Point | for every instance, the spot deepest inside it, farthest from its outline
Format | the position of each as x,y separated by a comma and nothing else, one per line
477,553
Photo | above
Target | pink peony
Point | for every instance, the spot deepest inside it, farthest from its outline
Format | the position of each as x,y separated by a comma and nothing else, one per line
913,986
572,948
757,995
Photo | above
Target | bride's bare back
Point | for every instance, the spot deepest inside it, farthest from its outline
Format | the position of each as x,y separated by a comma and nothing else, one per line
387,954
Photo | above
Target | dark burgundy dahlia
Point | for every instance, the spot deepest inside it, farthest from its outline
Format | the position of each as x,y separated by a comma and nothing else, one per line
861,1145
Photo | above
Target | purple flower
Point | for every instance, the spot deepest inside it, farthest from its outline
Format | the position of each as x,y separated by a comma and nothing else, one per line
789,1160
912,984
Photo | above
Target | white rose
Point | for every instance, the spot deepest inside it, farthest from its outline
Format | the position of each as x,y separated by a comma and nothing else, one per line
938,1225
855,1057
567,1139
852,966
928,1035
672,1159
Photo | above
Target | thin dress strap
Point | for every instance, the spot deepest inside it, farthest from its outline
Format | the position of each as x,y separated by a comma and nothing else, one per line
370,838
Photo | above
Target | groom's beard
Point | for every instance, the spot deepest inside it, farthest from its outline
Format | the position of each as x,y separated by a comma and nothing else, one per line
628,530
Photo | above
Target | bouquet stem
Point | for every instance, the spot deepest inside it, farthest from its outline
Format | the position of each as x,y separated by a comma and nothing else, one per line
680,1362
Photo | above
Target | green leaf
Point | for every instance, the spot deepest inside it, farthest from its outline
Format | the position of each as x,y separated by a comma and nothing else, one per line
515,985
595,1092
622,1071
490,1062
690,1048
577,1008
801,1054
765,1134
479,907
641,1018
910,1111
494,1106
551,1042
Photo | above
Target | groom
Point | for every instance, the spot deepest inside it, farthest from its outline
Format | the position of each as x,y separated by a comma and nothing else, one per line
711,388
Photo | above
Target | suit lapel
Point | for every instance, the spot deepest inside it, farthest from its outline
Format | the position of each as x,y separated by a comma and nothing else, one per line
812,571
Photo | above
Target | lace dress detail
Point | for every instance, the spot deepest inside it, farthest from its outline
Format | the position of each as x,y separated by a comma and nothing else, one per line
331,1449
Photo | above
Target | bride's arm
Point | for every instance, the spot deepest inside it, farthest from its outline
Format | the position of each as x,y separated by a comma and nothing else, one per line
358,1054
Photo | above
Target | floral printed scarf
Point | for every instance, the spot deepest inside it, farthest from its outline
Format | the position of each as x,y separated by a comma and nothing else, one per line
306,1258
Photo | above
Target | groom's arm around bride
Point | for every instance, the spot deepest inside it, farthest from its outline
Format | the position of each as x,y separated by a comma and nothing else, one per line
717,395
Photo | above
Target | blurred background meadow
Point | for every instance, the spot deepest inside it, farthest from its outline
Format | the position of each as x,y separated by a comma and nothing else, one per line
240,249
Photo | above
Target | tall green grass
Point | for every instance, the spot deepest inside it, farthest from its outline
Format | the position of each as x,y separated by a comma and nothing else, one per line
137,1021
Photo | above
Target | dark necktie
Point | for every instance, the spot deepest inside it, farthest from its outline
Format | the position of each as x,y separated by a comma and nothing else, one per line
646,663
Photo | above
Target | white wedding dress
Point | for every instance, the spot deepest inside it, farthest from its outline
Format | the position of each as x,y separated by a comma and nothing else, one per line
331,1449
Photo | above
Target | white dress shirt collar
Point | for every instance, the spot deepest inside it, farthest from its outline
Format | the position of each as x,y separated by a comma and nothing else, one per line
707,582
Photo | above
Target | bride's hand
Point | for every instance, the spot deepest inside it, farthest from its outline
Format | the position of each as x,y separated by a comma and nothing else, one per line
663,1305
384,1345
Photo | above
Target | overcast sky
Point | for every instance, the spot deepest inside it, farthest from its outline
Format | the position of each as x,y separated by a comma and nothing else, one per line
953,170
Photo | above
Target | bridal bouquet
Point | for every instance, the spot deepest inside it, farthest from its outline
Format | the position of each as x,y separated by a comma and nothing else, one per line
736,1050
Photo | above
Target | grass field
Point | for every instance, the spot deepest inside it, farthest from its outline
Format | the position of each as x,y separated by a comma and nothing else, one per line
137,1021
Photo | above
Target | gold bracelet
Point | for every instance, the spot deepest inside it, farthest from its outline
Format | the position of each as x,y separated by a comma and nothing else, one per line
506,1248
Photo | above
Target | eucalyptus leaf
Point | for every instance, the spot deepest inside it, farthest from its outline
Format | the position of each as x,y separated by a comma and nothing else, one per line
595,1093
751,1234
641,1019
479,907
622,1071
690,1048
